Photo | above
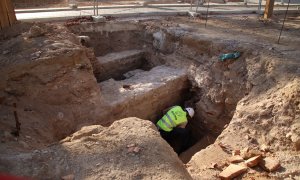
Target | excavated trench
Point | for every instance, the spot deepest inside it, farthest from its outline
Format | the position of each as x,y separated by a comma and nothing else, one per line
139,78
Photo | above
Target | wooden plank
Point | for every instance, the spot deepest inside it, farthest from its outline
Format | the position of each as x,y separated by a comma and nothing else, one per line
3,17
269,8
11,12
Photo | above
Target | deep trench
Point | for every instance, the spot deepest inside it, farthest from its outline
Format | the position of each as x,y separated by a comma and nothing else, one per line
105,42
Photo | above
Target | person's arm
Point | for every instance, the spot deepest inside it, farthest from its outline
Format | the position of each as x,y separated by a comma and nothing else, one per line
183,125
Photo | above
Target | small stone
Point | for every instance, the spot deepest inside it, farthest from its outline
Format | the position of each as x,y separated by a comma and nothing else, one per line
136,149
60,115
73,6
232,171
235,159
269,164
24,144
247,137
253,161
236,152
99,18
264,148
130,149
5,52
68,177
130,145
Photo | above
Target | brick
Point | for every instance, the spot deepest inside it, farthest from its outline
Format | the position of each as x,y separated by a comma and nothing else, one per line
269,164
232,171
253,161
235,159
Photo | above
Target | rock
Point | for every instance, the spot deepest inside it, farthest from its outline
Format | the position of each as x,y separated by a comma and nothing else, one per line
24,144
99,18
5,52
68,177
246,154
236,152
253,161
269,164
35,31
130,145
264,148
36,55
136,149
193,14
232,171
73,6
235,159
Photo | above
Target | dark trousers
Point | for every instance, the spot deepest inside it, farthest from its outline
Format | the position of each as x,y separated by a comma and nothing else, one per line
178,138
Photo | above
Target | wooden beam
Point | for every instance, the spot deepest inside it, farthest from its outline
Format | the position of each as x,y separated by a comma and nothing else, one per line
269,9
3,14
11,12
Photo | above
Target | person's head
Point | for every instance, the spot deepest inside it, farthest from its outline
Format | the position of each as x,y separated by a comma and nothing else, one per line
190,111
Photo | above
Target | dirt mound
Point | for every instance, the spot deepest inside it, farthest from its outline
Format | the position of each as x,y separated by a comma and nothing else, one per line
129,149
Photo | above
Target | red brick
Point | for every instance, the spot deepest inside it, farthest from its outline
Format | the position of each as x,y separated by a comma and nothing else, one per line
235,159
232,171
269,164
253,161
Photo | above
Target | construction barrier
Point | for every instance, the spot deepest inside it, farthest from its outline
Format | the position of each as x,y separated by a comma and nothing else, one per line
7,13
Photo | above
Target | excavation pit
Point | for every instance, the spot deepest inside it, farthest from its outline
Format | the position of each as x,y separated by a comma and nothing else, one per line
139,75
73,87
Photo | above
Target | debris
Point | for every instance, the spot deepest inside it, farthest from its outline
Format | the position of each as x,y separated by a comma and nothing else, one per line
250,153
253,161
35,31
73,6
234,55
213,166
68,177
130,145
235,159
225,147
5,52
79,20
133,148
232,171
99,18
193,14
236,152
264,148
136,149
269,164
36,55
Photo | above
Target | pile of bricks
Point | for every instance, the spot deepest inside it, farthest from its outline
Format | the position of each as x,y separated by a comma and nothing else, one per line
242,161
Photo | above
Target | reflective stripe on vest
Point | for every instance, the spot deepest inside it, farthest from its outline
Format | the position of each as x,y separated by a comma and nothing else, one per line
165,123
171,121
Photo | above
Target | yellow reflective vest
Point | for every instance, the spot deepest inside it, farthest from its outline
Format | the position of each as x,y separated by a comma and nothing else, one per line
174,117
